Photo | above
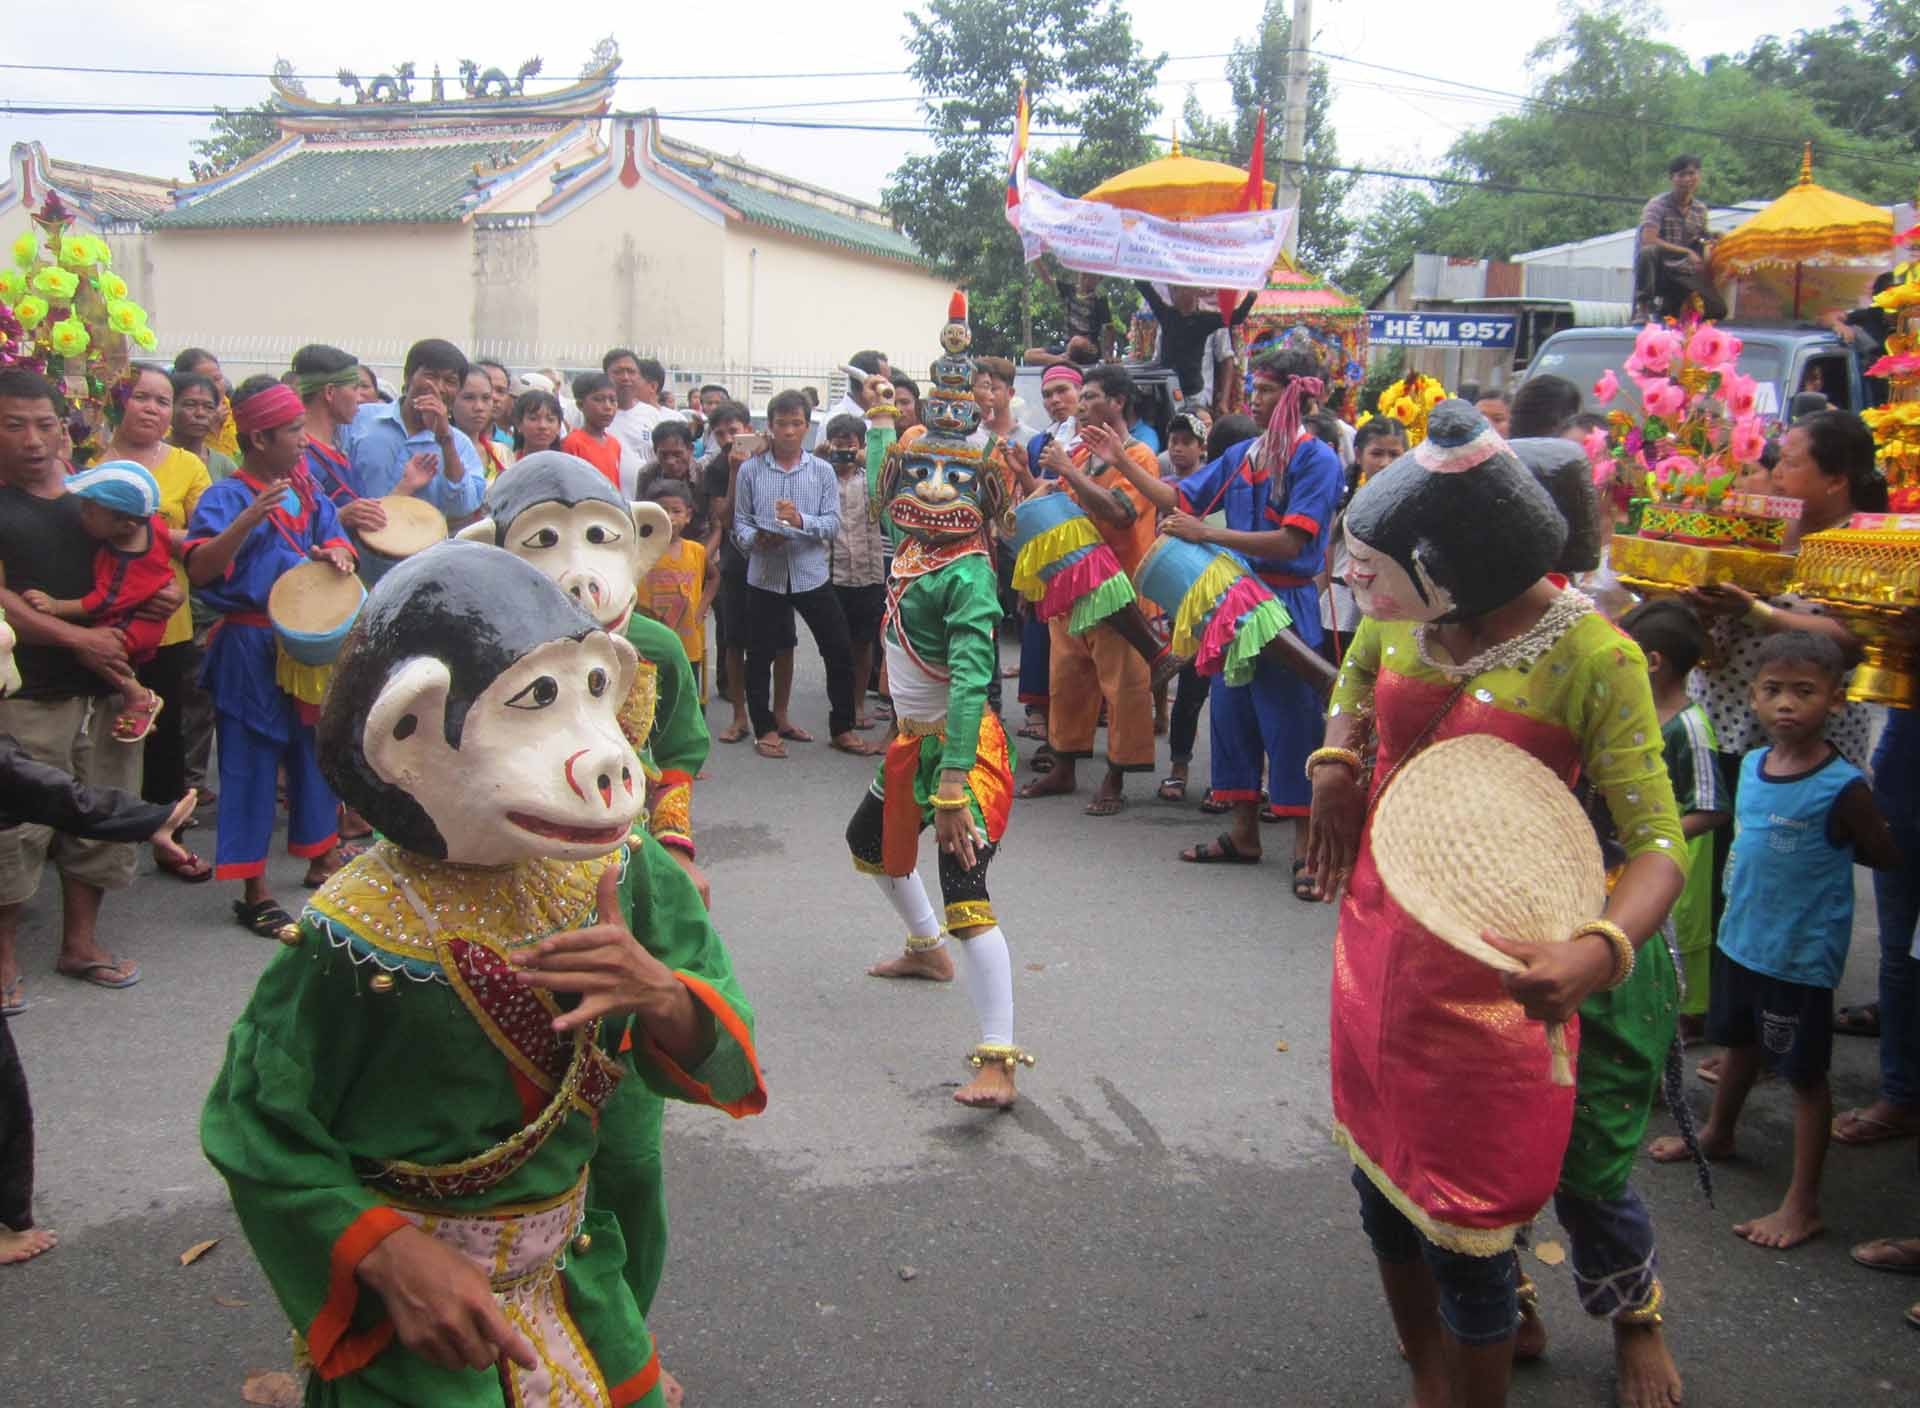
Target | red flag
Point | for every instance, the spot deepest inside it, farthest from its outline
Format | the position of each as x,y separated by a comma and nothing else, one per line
1254,199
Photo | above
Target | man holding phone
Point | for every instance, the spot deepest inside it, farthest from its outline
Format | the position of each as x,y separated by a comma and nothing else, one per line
786,511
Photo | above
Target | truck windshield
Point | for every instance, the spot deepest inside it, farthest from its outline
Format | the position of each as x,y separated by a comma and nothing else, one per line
1582,360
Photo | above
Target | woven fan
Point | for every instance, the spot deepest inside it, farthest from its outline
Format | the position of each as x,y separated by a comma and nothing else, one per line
1476,834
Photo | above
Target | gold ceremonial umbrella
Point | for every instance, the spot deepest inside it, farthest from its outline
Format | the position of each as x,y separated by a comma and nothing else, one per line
1178,187
1808,227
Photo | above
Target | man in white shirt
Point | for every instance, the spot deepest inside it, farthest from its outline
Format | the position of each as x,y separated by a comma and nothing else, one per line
859,367
637,383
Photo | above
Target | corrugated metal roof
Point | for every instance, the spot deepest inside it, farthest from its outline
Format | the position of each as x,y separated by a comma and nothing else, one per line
804,219
352,186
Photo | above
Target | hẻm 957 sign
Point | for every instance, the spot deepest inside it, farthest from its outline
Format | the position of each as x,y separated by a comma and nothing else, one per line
1440,330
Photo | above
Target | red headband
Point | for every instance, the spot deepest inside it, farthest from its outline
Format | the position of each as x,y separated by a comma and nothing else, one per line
268,409
1061,373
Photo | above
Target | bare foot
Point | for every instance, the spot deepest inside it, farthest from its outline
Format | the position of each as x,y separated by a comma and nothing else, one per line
25,1246
671,1390
1672,1149
1058,783
933,964
1644,1372
991,1089
1782,1228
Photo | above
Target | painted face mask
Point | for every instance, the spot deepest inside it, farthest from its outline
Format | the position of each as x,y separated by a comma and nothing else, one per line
472,715
559,513
941,488
1453,528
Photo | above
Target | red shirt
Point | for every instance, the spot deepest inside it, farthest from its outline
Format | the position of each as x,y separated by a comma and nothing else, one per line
603,453
123,581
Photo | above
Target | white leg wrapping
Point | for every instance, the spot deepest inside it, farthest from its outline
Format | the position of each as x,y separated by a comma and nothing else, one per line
909,900
989,969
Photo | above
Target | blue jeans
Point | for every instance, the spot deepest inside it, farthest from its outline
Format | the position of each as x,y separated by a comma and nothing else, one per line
1896,787
1478,1301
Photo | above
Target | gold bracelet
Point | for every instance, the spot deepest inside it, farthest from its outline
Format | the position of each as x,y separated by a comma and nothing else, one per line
949,804
1759,614
1623,954
1335,755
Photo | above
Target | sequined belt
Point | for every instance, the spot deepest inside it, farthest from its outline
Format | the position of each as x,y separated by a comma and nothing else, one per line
921,728
513,1248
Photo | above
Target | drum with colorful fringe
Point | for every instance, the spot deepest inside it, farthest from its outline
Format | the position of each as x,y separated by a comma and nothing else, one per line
1062,564
1222,615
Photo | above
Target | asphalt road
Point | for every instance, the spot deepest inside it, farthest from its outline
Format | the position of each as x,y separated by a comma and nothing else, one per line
1162,1220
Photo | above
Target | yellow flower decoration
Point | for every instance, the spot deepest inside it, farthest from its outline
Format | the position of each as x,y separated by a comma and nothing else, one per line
68,337
144,338
125,317
111,286
76,251
1404,410
56,284
26,250
31,311
13,285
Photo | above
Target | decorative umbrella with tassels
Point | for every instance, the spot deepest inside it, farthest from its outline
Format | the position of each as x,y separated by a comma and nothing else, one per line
1177,187
1810,227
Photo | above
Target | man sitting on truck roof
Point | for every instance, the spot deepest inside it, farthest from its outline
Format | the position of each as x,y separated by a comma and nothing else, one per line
1670,258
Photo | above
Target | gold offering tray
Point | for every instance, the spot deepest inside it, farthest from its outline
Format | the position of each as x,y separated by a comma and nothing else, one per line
1869,578
1653,566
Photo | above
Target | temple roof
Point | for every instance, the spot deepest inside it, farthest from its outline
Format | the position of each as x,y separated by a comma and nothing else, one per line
355,186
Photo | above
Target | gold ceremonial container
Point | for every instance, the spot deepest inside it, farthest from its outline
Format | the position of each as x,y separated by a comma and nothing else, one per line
1869,578
1652,566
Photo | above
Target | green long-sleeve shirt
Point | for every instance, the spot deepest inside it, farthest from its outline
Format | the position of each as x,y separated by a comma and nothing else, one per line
949,615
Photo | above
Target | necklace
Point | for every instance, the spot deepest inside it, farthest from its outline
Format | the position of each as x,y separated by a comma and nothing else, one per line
1522,651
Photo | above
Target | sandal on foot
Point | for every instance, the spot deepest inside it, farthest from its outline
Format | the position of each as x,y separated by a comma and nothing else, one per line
1863,1020
135,721
736,733
13,998
265,918
1306,889
1036,729
1858,1127
795,734
1219,851
1172,789
1214,807
196,871
105,973
1900,1255
770,748
1105,806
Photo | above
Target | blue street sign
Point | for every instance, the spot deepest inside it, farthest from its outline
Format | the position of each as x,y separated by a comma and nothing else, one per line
1440,330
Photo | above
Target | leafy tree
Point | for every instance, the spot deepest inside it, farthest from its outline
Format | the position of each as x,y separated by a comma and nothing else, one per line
1387,234
1860,74
1084,71
237,134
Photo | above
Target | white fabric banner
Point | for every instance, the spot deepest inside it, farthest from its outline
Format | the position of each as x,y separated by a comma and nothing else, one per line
1213,251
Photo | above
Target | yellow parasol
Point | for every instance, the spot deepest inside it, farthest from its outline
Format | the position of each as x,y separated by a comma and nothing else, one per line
1808,227
1177,187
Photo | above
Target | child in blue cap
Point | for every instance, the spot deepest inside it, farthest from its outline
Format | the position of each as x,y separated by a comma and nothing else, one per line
120,511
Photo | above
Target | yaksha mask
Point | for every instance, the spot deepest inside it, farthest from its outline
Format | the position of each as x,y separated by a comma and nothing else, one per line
943,487
1453,528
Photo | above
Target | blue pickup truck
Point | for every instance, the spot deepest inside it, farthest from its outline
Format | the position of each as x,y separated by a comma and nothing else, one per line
1784,358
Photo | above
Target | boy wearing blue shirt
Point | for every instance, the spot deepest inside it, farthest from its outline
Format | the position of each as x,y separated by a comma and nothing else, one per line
1803,816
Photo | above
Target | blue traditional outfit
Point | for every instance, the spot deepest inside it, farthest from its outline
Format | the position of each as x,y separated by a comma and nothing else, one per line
332,473
261,727
1275,717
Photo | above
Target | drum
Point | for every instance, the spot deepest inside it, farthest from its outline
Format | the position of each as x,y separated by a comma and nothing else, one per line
312,608
1063,565
412,524
1222,615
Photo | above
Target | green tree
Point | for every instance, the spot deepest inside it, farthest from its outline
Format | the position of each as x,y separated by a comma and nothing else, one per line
1860,74
237,134
1387,234
1084,72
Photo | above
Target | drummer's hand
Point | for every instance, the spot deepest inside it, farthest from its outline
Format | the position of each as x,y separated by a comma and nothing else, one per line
1185,527
418,473
271,497
1558,977
1333,828
1055,456
162,603
364,516
1720,599
335,557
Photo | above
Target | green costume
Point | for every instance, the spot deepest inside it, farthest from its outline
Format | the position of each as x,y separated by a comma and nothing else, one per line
388,1071
674,744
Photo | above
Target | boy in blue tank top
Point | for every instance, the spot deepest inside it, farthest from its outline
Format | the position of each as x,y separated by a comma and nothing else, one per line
1802,817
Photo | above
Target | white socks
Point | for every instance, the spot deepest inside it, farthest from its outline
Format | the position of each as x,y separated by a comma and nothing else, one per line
909,900
989,969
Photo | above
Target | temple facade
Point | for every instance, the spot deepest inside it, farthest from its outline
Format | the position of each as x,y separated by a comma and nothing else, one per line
536,228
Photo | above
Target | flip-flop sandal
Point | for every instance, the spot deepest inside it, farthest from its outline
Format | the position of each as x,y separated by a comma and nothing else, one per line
343,855
1035,729
1105,806
1857,1127
196,872
765,749
855,750
265,918
1907,1249
1305,888
13,999
1172,789
1219,851
735,733
91,973
1213,807
1863,1020
794,734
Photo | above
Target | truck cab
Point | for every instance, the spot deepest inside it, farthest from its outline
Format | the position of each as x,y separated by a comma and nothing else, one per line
1785,359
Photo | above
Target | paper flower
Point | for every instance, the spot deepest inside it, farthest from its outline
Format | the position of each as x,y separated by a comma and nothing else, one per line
1599,455
31,311
1606,388
1740,393
1654,349
124,316
1710,348
1664,398
111,286
26,250
1748,440
144,338
13,285
76,251
68,337
56,284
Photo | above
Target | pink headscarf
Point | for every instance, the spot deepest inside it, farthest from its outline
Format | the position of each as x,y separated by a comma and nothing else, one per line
1283,427
267,409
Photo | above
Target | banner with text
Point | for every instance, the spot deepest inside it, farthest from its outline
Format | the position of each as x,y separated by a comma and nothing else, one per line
1440,330
1214,251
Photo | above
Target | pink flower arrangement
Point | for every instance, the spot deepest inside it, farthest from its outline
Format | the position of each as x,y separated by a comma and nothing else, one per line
1663,398
1711,348
1740,394
1654,349
1599,454
1606,388
1748,440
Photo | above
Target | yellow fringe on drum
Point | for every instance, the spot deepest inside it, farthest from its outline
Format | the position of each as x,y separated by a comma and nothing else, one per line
1190,619
1046,549
307,683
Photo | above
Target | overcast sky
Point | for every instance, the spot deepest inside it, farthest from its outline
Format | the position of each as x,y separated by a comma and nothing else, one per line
747,55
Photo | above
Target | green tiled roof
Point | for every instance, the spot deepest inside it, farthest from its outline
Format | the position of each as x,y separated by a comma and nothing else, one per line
808,221
375,185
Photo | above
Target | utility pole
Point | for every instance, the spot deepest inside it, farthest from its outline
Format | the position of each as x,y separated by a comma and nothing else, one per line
1294,148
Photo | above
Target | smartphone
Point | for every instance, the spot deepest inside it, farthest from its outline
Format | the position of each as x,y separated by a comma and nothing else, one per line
756,444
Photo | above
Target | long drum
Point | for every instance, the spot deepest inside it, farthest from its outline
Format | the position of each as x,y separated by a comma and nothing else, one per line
1063,565
312,608
1221,615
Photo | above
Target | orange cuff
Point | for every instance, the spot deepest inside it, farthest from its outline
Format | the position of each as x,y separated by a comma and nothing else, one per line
335,1350
755,1100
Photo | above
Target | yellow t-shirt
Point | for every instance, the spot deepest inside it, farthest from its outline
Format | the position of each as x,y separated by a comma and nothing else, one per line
670,593
183,478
